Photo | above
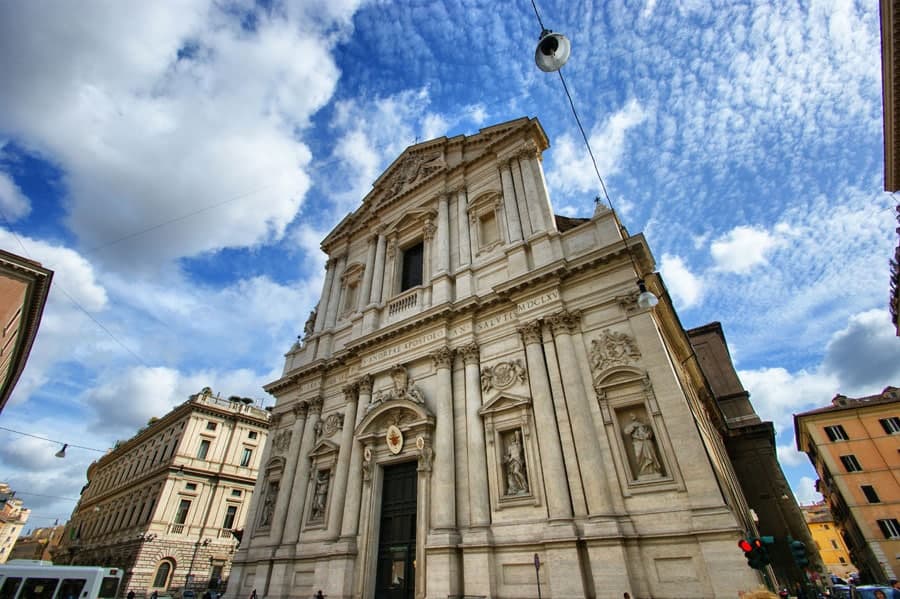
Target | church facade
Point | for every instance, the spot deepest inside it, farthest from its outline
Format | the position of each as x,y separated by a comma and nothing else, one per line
480,406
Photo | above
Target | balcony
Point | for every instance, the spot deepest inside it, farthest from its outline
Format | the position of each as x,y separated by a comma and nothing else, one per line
404,305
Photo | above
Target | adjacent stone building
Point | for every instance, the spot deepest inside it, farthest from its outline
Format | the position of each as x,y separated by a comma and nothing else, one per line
13,516
165,504
854,445
828,540
480,391
39,544
24,288
750,442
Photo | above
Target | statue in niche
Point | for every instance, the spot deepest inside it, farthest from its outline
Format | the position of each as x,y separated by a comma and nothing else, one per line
320,498
514,461
268,509
642,445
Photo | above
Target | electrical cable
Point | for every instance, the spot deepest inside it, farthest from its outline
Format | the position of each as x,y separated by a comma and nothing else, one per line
52,440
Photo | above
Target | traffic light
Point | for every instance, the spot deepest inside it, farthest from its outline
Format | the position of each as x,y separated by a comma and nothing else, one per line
755,551
798,551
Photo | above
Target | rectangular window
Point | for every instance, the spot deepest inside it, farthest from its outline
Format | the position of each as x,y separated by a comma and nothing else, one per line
891,425
890,528
210,426
203,450
252,435
834,544
851,464
245,457
836,433
350,293
842,560
181,515
229,517
411,272
488,233
871,495
190,486
235,492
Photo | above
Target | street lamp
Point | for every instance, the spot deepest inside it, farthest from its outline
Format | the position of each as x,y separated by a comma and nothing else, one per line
197,545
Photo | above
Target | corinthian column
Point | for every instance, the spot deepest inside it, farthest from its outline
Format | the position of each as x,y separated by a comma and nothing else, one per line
479,496
366,289
292,523
287,479
442,264
558,501
331,316
465,244
349,526
584,432
444,477
339,489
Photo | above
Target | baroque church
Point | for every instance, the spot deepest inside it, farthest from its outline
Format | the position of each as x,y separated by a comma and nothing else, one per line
480,407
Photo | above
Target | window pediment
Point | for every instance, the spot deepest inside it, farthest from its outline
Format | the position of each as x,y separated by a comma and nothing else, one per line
505,402
323,449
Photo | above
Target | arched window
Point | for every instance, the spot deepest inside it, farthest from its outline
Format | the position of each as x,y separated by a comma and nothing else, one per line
163,574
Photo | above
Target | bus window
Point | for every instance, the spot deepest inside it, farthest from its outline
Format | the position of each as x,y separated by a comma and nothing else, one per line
39,588
108,587
71,588
10,586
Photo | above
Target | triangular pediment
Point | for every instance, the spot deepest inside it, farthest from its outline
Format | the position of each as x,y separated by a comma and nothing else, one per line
504,402
324,447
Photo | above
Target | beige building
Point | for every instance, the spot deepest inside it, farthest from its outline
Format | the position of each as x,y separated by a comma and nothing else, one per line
480,390
164,504
854,445
828,540
13,516
40,543
24,287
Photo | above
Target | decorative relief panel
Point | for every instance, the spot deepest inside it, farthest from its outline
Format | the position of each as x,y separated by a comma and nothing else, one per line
403,388
502,375
613,349
268,506
333,423
413,169
281,440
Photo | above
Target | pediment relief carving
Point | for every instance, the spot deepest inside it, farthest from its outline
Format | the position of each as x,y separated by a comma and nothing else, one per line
505,402
402,413
275,465
411,169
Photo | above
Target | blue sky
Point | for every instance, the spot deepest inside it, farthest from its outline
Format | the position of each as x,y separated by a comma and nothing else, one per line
177,164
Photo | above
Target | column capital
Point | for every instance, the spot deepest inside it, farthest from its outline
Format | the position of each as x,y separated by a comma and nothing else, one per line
365,383
531,332
565,322
315,405
350,392
300,409
443,358
429,229
470,354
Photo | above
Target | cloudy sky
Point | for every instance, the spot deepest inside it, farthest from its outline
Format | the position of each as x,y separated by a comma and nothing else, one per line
177,164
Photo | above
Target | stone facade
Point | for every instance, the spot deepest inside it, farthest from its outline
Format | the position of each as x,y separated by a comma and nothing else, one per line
467,330
13,516
165,504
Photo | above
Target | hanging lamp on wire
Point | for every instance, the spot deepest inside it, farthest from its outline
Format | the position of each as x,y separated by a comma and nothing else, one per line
552,52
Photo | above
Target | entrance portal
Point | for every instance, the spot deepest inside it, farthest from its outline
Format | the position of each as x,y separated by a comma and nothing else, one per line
396,575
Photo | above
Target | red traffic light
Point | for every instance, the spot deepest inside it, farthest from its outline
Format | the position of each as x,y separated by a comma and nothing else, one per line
745,545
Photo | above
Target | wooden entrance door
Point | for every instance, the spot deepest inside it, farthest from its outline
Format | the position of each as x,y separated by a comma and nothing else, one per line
395,577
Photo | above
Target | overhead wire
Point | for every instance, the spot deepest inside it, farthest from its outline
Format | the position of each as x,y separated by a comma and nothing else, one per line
51,440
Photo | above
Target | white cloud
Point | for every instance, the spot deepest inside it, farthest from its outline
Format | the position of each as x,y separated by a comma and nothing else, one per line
865,355
685,287
777,393
805,491
743,248
13,203
572,170
185,112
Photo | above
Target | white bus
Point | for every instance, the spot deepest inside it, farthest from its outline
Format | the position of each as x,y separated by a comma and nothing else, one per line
35,579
